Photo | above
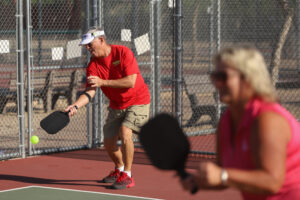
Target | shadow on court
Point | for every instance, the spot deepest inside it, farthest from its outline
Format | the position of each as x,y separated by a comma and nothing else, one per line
47,181
82,170
139,157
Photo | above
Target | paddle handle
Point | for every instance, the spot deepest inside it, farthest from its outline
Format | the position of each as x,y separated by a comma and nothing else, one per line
183,175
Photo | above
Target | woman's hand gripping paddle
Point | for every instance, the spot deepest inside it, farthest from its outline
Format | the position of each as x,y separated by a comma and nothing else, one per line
55,122
165,144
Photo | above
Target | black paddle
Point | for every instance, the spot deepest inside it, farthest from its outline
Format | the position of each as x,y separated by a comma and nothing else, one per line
55,122
165,144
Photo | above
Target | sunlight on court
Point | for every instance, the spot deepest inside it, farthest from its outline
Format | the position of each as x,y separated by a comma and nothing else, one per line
50,193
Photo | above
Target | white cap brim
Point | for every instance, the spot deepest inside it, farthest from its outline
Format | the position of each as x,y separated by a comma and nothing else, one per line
86,39
89,37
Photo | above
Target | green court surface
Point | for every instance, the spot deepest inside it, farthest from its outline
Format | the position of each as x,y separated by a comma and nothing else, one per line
49,193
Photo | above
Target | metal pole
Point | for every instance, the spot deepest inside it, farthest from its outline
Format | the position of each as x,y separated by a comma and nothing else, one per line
101,13
29,65
257,24
298,32
219,26
94,13
152,54
40,26
178,59
157,68
218,49
211,43
87,13
96,98
100,94
20,76
134,24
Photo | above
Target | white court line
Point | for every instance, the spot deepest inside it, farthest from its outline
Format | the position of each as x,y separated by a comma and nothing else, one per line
20,188
53,188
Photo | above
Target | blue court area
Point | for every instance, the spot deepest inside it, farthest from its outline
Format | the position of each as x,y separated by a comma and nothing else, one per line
49,193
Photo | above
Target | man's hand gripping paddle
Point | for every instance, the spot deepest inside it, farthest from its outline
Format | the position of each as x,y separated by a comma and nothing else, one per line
165,144
55,122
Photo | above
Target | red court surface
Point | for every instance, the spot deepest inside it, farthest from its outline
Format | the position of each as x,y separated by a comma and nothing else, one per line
82,169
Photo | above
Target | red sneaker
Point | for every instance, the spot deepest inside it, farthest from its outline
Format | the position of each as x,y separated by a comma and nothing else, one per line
124,181
112,177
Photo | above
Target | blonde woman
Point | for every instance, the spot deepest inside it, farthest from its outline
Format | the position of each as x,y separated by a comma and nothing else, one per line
258,145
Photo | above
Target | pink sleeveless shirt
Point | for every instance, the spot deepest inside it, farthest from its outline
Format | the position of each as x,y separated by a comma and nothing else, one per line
239,155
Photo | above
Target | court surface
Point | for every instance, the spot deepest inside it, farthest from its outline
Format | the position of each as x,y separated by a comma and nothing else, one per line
76,174
49,193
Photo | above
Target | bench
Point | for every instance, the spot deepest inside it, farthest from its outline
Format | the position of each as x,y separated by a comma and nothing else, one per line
199,110
8,89
288,78
204,89
46,85
199,85
40,87
65,83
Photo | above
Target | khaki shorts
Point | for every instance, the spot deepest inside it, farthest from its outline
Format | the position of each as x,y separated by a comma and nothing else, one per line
132,117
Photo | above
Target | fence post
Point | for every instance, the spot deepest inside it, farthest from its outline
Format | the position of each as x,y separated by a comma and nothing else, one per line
40,27
178,58
157,30
298,31
87,25
101,14
29,65
218,49
20,76
211,43
152,53
100,94
134,24
96,98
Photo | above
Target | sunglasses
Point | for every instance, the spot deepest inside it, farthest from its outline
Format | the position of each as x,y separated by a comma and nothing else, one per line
218,76
221,76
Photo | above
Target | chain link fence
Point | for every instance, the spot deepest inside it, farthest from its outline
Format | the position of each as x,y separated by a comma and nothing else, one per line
57,72
270,26
9,144
52,76
174,42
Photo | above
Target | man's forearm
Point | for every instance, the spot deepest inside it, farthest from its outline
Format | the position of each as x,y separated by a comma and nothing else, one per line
84,99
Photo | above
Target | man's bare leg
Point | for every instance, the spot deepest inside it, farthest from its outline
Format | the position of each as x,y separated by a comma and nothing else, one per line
127,147
114,151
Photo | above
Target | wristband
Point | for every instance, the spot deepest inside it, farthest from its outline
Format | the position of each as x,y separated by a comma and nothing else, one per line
224,176
88,96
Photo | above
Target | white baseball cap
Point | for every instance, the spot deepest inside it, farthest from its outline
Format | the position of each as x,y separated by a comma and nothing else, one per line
89,37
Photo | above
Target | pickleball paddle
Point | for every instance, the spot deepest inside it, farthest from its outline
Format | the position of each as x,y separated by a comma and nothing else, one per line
165,144
55,121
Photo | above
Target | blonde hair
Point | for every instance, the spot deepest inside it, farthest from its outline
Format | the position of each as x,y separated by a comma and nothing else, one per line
252,66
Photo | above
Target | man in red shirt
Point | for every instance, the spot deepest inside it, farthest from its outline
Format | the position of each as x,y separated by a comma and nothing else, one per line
114,69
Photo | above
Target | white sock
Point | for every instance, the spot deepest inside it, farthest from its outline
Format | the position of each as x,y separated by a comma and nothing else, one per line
128,173
121,168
